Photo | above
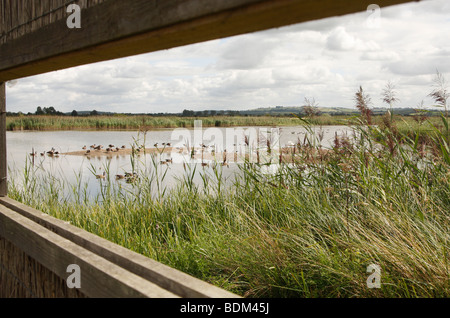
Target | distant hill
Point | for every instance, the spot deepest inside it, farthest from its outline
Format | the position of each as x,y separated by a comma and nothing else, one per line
332,111
288,110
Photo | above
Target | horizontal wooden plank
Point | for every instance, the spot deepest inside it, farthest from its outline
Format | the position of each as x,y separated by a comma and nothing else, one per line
23,277
99,277
164,276
115,29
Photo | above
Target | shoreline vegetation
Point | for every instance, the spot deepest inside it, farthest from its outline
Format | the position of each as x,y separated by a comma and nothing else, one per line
148,122
406,124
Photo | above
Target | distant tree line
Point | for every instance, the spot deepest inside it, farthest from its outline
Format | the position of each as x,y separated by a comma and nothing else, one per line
310,109
51,111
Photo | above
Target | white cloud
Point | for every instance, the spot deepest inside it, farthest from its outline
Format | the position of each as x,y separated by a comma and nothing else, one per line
340,40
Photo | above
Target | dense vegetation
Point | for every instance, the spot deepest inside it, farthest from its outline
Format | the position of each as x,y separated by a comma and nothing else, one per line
142,122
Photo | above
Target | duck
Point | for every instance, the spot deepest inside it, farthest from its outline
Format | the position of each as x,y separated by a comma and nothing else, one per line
120,176
101,176
131,179
51,152
84,148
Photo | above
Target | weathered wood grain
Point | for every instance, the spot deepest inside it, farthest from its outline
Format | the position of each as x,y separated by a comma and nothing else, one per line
161,275
99,277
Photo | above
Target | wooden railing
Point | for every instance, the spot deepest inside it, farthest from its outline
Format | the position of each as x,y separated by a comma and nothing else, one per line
106,269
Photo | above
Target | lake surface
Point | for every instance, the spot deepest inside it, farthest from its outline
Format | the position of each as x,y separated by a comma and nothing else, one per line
83,168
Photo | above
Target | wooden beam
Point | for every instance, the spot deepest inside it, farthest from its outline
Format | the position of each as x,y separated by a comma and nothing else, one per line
99,277
163,276
3,155
115,29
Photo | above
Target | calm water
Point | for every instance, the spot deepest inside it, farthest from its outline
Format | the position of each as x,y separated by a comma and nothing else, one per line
73,168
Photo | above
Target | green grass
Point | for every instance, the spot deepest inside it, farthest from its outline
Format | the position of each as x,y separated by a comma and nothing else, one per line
310,230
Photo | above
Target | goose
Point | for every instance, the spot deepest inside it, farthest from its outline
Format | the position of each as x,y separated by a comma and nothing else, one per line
101,176
131,179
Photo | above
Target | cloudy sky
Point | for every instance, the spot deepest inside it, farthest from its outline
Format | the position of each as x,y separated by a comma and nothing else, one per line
327,60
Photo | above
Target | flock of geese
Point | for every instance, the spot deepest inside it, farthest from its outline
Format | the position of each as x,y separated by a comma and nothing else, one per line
110,148
50,153
131,177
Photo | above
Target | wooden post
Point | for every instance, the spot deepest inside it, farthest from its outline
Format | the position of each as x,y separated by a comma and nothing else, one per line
3,162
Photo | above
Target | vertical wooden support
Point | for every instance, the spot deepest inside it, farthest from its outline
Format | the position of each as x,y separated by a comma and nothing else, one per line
3,162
